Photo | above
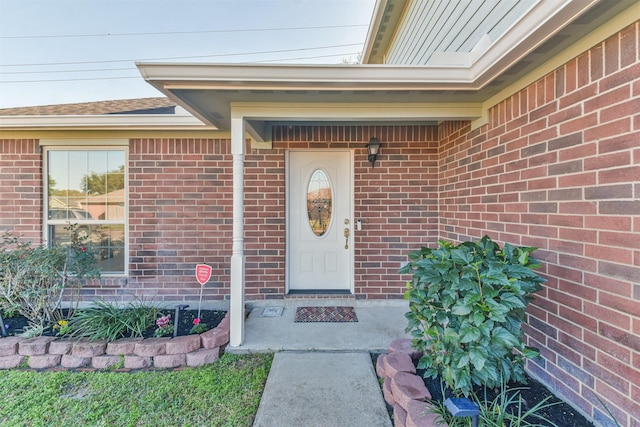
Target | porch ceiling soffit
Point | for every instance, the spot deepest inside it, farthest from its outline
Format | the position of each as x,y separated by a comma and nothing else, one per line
260,117
354,93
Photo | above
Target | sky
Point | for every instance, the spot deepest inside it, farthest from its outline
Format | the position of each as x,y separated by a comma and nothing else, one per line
68,51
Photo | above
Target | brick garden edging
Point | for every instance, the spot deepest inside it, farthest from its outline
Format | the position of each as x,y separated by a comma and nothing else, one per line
402,388
136,353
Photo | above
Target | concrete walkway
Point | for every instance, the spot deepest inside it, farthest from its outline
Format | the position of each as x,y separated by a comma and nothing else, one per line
314,389
322,373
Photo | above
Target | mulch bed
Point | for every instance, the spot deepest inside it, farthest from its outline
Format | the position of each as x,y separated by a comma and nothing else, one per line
211,317
560,414
533,392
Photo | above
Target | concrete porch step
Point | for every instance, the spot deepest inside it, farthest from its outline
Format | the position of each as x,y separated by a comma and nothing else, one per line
379,323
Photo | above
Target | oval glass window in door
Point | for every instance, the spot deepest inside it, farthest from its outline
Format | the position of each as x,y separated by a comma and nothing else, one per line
319,202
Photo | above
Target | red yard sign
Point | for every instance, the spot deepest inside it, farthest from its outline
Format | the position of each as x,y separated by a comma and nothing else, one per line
203,273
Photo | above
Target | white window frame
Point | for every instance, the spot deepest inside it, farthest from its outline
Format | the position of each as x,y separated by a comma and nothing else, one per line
91,145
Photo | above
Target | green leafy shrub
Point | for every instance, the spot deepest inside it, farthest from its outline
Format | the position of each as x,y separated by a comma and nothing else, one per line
34,278
107,320
467,303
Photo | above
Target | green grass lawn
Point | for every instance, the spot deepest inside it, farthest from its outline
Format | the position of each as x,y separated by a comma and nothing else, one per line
226,393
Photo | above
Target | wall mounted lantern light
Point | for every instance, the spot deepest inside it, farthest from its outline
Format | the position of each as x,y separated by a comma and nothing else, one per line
373,147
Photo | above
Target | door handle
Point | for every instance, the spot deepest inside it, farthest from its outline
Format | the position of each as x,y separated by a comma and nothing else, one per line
346,236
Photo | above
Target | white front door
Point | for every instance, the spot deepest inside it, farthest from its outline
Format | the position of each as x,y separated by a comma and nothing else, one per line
319,221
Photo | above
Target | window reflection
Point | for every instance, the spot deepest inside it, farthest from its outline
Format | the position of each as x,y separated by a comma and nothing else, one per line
87,188
319,202
91,181
107,241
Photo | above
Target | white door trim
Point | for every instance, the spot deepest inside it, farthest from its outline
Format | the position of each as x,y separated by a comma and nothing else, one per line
351,172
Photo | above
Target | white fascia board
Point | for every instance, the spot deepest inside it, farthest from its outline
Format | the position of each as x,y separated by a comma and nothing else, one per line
304,77
112,121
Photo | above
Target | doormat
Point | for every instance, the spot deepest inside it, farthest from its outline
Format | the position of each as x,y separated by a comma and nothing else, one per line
326,314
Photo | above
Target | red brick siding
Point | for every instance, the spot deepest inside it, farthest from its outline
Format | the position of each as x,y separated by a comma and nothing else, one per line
180,209
179,215
558,167
21,188
265,224
397,201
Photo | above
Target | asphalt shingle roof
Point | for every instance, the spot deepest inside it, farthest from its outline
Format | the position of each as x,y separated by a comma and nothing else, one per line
160,105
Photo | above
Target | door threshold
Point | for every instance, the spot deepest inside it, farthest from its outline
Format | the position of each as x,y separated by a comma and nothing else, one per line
319,293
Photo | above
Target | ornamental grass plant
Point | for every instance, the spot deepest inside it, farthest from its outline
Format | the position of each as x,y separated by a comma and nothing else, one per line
507,408
109,321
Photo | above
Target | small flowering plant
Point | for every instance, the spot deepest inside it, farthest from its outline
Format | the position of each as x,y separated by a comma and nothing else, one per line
198,326
164,326
61,327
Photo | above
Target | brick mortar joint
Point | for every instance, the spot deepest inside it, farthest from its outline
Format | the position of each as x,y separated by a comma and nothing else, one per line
218,330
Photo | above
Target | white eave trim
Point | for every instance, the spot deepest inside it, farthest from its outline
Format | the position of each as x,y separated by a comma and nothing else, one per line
305,77
534,28
374,29
111,121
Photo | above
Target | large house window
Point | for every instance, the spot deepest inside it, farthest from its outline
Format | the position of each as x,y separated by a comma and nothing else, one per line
87,187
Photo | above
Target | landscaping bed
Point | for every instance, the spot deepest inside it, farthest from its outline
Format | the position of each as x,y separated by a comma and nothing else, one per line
211,318
558,414
533,392
129,349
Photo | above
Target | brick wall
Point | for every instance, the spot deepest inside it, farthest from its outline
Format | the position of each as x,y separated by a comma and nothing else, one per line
264,224
397,201
180,203
180,209
21,188
558,167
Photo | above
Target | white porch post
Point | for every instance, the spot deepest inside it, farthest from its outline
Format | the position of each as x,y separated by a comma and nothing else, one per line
236,306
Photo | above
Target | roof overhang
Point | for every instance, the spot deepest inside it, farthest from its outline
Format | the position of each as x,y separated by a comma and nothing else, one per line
535,26
382,28
364,93
179,121
303,93
267,94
